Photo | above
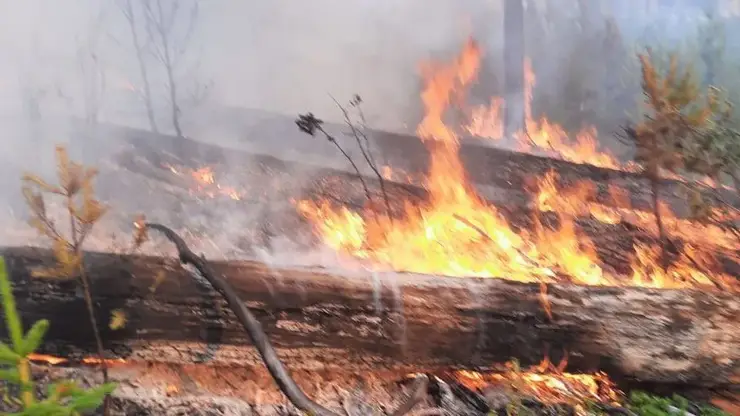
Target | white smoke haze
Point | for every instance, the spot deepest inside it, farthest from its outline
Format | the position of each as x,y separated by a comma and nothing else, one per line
67,60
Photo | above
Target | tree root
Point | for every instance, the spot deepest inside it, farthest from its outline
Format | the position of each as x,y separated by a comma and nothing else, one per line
254,329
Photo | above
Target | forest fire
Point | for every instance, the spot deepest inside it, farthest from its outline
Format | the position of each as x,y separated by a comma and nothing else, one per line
692,268
456,233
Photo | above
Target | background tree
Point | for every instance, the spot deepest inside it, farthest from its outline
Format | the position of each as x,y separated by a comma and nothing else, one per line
131,11
91,69
169,25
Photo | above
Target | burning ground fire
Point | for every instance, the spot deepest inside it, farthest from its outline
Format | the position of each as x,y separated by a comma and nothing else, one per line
205,182
456,233
54,360
548,383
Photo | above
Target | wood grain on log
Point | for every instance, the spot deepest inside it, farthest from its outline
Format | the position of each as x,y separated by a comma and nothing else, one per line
382,320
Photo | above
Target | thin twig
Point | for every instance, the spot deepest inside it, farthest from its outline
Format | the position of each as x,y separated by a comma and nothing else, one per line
260,340
333,140
654,178
488,237
366,154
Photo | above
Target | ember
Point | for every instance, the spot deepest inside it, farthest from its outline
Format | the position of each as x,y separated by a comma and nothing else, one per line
542,134
53,360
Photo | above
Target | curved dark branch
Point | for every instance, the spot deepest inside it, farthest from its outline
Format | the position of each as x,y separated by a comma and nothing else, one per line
253,327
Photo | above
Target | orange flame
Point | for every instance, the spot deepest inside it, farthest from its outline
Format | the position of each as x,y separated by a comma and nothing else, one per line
542,135
205,183
547,383
691,269
455,232
551,139
54,360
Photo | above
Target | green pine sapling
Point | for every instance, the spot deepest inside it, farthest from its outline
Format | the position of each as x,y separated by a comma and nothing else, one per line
676,108
65,397
83,211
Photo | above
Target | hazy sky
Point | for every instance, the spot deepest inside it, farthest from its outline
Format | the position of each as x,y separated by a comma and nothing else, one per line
284,55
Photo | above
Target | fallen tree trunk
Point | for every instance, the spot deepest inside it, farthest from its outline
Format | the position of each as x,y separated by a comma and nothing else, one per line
486,166
272,183
386,320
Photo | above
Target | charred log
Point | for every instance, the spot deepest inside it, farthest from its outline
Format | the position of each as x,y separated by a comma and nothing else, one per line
388,320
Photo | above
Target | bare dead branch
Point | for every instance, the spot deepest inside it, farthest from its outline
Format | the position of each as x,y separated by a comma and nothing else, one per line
260,340
309,124
365,150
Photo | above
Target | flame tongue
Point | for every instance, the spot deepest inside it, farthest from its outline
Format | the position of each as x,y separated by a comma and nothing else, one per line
541,135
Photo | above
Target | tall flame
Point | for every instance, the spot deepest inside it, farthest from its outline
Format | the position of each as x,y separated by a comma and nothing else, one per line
542,134
454,232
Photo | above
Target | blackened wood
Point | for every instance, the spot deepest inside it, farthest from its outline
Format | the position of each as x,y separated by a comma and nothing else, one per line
382,320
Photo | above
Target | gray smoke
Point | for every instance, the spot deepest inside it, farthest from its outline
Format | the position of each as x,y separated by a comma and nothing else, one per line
68,59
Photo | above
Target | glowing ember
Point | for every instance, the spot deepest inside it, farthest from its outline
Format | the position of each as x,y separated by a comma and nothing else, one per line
541,135
205,183
53,360
47,359
546,383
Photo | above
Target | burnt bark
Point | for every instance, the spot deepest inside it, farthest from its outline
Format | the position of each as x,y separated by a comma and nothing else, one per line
371,321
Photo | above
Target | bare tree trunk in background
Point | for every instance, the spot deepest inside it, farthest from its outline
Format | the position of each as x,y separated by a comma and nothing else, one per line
173,98
92,72
162,18
93,78
514,67
127,8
